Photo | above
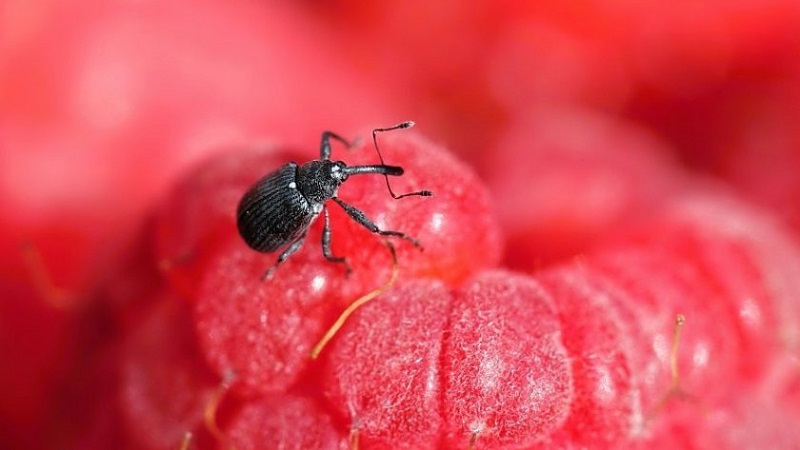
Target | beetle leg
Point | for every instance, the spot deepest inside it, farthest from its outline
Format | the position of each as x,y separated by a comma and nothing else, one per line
362,218
326,243
293,247
325,145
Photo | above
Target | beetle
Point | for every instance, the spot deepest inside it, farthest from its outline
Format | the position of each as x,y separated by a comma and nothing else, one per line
279,209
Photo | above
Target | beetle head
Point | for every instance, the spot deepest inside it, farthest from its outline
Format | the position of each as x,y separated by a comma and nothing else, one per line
318,180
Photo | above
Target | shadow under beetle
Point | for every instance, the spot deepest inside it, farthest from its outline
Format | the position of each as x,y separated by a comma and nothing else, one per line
279,209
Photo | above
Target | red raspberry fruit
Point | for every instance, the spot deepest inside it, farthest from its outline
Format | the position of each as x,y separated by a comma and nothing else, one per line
263,330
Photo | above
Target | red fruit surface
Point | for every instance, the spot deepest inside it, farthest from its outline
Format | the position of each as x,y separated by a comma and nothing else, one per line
383,371
728,269
606,408
563,177
745,253
456,227
263,331
164,383
287,422
564,109
748,421
508,380
660,284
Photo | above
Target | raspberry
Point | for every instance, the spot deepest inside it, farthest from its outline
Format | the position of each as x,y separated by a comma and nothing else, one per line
676,326
263,330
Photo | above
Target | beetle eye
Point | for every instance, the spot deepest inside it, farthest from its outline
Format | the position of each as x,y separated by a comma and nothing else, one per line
337,173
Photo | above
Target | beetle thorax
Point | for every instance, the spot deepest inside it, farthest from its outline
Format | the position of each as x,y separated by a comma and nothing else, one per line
319,180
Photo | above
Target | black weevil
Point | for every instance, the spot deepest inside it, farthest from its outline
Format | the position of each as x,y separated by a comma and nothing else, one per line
279,209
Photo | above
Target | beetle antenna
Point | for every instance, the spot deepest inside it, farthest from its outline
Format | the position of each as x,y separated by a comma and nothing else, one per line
399,126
